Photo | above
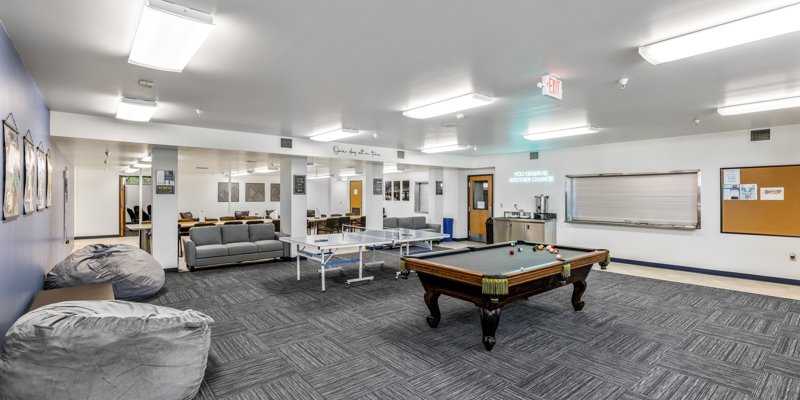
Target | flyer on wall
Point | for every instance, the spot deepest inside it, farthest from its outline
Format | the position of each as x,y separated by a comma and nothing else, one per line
748,191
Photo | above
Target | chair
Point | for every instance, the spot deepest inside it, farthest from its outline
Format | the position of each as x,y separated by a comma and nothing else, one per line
323,216
149,209
254,221
277,224
268,213
199,224
233,222
145,216
211,220
310,213
252,217
133,215
241,214
342,222
227,218
331,226
361,222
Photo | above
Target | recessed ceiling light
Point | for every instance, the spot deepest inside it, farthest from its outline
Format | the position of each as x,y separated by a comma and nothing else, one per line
767,105
144,166
263,170
136,110
318,177
581,130
442,149
130,170
239,173
169,35
750,29
449,106
336,134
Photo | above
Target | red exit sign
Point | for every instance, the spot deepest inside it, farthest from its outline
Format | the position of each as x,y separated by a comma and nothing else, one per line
552,87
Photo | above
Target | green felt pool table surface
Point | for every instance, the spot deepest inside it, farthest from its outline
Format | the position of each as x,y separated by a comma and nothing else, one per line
496,260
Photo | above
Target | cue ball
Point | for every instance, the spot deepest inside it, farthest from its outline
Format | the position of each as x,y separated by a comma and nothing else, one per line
519,249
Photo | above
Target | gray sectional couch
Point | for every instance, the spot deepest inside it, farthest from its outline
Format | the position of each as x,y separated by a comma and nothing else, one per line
228,244
411,223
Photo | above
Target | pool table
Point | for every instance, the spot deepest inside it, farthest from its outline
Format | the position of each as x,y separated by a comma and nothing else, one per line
491,277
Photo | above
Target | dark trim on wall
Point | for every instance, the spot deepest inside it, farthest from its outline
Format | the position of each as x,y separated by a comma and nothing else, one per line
729,274
95,237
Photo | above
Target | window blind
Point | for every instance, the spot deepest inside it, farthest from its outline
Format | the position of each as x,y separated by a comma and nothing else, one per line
659,200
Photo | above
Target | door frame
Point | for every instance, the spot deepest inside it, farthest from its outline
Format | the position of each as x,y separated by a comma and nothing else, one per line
490,205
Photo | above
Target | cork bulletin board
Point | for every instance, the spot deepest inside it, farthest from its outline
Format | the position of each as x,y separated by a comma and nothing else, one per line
760,200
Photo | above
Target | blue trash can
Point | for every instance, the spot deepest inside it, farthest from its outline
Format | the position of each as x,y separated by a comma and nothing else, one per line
447,228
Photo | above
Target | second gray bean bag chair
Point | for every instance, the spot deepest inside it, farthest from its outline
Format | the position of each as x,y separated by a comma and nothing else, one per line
134,273
105,350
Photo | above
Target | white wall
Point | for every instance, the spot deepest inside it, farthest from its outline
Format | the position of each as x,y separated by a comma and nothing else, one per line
319,195
96,202
198,191
132,197
704,248
340,196
405,208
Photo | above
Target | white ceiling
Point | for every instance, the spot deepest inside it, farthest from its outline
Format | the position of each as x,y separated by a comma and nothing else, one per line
297,67
87,153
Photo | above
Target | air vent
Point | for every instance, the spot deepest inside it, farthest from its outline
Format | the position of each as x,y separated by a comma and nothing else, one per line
286,143
759,135
534,155
200,167
401,154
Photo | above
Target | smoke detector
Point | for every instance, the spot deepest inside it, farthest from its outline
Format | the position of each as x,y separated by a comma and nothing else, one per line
623,83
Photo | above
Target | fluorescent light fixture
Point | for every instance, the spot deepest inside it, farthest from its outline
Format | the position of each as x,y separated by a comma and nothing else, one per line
169,35
263,170
319,177
442,149
336,134
147,158
750,29
581,130
144,166
393,170
239,173
136,110
346,174
449,106
767,105
131,170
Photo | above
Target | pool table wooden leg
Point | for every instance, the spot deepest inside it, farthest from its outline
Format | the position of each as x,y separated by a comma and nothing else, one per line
578,287
432,301
489,321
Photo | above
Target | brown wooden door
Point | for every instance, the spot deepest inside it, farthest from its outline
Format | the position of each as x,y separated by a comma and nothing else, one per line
122,210
355,197
480,205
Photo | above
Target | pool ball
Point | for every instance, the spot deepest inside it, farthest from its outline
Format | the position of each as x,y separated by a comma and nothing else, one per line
555,251
513,244
541,247
511,252
560,257
519,249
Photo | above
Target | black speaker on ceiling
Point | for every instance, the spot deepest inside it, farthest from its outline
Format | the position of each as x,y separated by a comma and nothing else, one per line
401,154
534,155
286,143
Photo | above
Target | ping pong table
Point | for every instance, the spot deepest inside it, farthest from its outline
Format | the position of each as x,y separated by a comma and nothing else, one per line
323,248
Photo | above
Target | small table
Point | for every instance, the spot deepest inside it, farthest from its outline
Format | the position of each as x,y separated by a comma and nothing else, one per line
97,291
491,277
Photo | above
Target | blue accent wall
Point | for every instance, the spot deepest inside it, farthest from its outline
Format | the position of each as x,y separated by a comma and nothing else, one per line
29,244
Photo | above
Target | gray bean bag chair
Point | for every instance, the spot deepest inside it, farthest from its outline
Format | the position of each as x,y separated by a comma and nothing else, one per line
105,350
134,273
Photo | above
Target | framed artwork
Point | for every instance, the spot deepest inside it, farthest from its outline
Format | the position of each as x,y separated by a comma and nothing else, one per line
275,192
299,184
377,186
29,155
41,179
406,190
224,195
12,175
49,202
255,192
439,188
396,190
165,182
387,192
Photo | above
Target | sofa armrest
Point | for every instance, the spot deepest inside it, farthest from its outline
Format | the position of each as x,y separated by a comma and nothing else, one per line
190,252
438,227
287,247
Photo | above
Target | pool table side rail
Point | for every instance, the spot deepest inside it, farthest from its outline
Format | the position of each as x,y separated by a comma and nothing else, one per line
424,265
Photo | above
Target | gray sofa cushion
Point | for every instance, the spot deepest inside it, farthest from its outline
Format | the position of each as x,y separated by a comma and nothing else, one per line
204,235
262,232
405,222
241,248
133,273
418,222
212,250
235,233
390,223
269,245
91,350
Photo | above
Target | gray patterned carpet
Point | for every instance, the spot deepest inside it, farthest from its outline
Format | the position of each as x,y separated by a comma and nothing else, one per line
276,338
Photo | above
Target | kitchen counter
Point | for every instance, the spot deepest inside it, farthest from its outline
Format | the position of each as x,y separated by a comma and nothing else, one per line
532,230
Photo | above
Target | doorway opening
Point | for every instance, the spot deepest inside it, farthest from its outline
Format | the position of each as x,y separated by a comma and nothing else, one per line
133,208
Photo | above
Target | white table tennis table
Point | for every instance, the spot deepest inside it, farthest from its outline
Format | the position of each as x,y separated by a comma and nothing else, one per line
323,248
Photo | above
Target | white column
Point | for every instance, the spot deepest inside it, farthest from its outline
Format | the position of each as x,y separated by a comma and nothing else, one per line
293,206
165,210
373,203
435,202
455,197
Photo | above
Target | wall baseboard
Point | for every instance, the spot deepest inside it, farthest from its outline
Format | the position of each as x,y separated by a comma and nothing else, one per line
171,269
96,237
728,274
